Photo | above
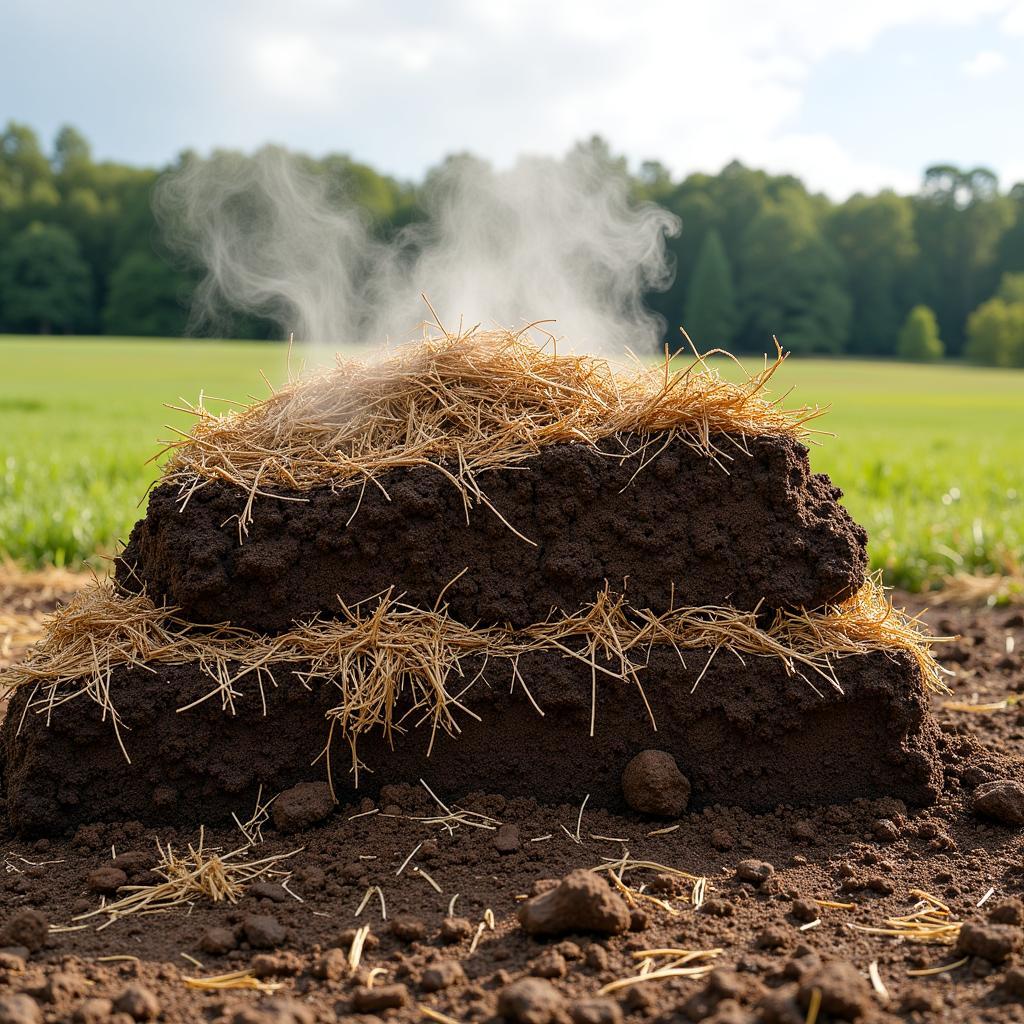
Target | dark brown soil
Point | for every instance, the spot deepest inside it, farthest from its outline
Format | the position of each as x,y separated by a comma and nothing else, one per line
749,735
762,528
871,854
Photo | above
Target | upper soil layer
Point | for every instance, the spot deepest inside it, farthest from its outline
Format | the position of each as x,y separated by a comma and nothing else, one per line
759,528
478,401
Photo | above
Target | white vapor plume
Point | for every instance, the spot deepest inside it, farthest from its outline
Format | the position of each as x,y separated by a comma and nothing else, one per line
545,240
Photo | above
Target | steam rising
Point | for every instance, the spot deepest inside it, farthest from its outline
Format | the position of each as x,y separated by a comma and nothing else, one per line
545,240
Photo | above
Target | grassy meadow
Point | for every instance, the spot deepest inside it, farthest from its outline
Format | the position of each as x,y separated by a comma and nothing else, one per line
930,457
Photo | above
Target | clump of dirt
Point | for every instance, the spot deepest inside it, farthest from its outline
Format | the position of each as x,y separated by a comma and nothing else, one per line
756,530
748,734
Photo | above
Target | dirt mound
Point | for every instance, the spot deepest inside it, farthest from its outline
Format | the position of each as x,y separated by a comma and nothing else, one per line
760,529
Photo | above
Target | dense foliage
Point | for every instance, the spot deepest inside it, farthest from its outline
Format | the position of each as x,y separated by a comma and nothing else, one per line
758,256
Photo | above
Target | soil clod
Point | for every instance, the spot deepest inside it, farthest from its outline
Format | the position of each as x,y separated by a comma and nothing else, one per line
1002,800
582,902
301,806
531,1001
653,784
28,928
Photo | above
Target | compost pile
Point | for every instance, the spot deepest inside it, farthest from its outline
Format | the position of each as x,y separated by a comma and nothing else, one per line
397,652
483,562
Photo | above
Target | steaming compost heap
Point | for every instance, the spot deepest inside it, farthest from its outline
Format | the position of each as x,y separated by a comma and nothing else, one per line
490,565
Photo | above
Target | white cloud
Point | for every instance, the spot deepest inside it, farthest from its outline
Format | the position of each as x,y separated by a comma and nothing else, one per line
291,66
984,63
692,84
403,83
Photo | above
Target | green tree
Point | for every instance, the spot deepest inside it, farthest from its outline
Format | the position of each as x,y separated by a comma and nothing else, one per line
875,237
1011,288
711,312
44,282
792,280
960,219
22,160
919,339
995,334
147,298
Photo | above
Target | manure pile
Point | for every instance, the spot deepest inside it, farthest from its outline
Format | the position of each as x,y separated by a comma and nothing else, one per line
492,568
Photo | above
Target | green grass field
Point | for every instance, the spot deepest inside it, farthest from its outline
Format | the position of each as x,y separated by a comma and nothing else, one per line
930,457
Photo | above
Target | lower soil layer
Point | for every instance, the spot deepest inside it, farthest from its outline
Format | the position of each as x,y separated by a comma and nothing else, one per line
748,736
756,528
869,857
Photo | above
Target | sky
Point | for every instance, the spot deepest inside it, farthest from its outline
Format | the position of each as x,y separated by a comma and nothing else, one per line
851,97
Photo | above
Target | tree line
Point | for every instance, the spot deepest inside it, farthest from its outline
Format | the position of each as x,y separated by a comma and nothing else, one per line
939,272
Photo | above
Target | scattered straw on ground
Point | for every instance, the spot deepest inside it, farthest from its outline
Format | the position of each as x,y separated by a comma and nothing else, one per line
463,404
617,868
383,652
930,921
660,964
200,873
979,589
233,981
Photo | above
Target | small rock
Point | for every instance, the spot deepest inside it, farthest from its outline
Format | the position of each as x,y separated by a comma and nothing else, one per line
1009,910
379,997
106,880
217,941
756,872
653,784
332,966
506,839
441,975
1002,800
62,987
721,839
639,919
276,965
803,831
531,1001
549,964
717,907
96,1010
268,891
992,942
19,1009
774,936
595,1011
582,902
455,929
640,999
138,1002
28,928
407,928
133,862
262,931
805,910
885,830
596,957
301,806
844,992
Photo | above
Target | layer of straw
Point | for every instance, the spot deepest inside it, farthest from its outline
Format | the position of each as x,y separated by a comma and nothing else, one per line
382,653
463,404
